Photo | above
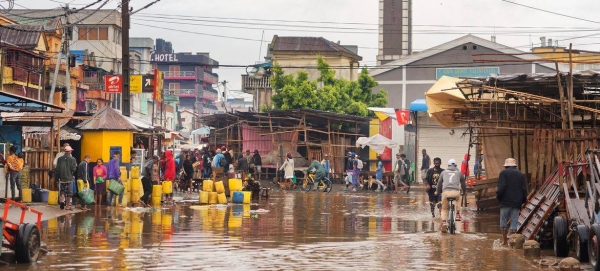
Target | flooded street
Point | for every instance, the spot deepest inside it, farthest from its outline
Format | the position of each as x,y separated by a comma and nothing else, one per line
289,231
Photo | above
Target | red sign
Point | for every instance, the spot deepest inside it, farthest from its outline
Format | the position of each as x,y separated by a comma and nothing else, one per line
113,84
403,116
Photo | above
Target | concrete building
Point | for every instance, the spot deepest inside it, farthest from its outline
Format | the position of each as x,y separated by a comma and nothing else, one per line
408,78
239,101
551,51
189,120
395,30
294,53
141,49
188,76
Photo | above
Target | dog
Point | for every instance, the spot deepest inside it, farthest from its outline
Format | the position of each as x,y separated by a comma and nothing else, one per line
285,184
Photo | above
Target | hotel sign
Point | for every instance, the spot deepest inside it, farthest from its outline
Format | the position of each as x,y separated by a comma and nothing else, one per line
466,72
164,58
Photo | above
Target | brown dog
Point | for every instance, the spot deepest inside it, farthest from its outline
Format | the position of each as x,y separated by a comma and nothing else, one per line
285,184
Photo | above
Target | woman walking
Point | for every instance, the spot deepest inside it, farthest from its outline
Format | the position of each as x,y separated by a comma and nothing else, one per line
288,168
100,175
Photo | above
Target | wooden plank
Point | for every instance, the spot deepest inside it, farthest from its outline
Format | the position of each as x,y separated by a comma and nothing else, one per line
529,209
579,206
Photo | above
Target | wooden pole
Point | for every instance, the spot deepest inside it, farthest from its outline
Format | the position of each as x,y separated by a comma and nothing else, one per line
561,93
570,87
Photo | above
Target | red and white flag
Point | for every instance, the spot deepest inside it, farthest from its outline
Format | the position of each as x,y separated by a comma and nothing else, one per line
402,116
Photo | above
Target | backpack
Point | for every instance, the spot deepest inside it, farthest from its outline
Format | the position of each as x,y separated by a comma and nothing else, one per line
222,162
359,164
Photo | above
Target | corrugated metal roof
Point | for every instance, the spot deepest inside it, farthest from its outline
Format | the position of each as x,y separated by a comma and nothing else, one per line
107,119
98,17
308,44
63,118
13,34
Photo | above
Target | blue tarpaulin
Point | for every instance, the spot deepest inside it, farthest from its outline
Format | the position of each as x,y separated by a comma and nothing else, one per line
16,103
418,105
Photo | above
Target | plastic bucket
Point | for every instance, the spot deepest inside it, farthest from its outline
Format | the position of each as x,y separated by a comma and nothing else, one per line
207,186
44,195
221,198
203,198
52,198
212,197
157,190
167,187
238,197
247,197
235,185
219,188
26,195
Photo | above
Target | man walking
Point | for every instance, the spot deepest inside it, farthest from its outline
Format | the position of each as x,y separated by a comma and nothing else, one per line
511,194
425,164
114,175
13,167
431,181
65,168
83,174
450,185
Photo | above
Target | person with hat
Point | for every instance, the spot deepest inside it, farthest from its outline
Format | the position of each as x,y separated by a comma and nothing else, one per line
451,184
511,194
65,168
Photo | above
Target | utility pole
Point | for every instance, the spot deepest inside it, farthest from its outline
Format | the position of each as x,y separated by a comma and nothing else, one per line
69,30
125,58
57,66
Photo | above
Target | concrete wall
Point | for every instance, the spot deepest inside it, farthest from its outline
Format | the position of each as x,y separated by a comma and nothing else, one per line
97,144
305,60
106,51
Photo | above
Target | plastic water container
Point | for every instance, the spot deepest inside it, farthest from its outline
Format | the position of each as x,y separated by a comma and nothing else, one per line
135,196
107,181
203,197
136,185
155,201
157,190
157,217
212,198
135,172
53,198
247,197
219,187
80,185
167,187
44,195
235,184
221,198
238,197
123,174
167,220
26,195
207,186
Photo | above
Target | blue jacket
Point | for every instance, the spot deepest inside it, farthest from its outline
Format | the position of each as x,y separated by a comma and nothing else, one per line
217,160
379,172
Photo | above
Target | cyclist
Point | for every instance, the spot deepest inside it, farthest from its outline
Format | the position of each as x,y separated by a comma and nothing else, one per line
450,185
318,170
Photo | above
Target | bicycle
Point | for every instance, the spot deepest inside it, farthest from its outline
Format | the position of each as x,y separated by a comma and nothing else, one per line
324,185
451,222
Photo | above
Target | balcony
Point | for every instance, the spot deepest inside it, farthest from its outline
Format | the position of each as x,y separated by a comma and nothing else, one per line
211,78
187,92
94,79
208,94
180,75
250,83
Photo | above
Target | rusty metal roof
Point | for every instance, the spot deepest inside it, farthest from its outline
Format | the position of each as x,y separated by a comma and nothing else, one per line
107,119
308,44
25,36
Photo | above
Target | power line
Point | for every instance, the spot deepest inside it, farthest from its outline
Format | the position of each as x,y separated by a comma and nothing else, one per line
552,12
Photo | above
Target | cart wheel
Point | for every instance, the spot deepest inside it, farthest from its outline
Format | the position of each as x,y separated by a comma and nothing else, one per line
581,247
27,248
560,231
593,248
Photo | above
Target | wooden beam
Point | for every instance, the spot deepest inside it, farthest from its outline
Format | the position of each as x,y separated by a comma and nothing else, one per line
570,87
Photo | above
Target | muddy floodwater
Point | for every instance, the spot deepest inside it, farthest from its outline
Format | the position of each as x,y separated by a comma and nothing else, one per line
289,231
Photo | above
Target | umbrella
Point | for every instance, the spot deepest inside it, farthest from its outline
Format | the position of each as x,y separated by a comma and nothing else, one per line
376,142
442,98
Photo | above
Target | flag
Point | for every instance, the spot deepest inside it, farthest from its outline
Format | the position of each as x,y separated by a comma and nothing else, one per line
403,116
382,116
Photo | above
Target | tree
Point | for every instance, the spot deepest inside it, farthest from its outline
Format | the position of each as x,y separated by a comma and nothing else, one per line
333,95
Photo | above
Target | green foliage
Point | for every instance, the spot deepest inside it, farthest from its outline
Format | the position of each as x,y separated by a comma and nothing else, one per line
327,93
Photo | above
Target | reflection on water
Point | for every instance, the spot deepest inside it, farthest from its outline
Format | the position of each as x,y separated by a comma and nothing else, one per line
289,231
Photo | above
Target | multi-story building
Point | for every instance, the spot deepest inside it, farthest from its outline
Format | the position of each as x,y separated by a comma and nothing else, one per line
188,76
395,30
140,50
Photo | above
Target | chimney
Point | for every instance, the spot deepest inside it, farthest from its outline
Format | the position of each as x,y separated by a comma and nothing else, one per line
543,41
549,42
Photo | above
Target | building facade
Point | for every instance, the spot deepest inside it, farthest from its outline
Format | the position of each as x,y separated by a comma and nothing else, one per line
408,78
188,76
395,30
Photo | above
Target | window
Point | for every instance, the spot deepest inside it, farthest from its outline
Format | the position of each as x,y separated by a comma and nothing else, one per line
117,36
174,68
92,33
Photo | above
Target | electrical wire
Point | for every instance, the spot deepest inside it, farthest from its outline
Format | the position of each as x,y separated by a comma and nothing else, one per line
552,12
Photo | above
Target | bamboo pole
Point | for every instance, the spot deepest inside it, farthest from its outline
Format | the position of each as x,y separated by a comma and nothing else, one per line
561,93
570,87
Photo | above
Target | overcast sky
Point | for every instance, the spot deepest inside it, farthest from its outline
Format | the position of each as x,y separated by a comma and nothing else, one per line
433,24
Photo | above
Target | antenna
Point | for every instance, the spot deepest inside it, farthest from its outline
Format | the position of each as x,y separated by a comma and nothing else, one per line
261,43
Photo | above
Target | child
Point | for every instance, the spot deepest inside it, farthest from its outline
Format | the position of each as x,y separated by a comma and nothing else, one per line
100,175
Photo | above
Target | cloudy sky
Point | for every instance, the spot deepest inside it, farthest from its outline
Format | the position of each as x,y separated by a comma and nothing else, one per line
240,24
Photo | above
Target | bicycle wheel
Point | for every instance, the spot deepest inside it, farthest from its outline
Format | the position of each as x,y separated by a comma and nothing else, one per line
321,186
306,185
451,218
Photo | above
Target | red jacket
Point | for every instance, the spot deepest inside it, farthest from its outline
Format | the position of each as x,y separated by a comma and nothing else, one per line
169,166
464,167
